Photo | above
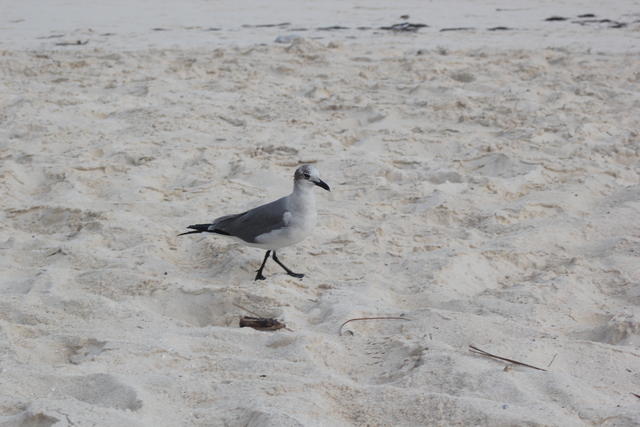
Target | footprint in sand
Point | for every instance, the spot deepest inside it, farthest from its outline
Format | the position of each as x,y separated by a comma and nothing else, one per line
28,419
101,390
204,307
617,331
83,350
54,220
374,359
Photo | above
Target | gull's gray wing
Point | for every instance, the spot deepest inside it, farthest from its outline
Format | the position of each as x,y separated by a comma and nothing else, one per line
252,223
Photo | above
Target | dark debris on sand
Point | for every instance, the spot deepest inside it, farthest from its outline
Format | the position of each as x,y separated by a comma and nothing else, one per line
75,43
457,29
280,25
612,24
332,28
404,27
589,19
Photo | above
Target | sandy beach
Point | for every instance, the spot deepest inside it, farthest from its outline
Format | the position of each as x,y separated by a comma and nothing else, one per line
485,187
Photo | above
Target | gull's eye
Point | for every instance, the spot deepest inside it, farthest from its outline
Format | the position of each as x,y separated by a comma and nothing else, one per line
306,175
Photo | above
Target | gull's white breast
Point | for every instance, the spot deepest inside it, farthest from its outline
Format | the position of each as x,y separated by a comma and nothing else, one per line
299,220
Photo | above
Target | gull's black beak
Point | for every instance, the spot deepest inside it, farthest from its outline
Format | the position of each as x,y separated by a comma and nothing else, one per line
321,183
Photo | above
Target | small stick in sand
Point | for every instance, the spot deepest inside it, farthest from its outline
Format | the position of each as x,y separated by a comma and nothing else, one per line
476,350
369,318
554,358
636,395
261,323
75,43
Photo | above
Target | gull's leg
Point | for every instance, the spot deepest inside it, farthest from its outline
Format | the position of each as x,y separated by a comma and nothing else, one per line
259,276
289,272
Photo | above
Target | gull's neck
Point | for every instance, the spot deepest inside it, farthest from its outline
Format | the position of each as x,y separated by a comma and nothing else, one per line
303,197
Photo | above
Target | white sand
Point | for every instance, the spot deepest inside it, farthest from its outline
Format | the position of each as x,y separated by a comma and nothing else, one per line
488,190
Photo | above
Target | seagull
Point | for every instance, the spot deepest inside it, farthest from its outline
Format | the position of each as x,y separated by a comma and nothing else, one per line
283,222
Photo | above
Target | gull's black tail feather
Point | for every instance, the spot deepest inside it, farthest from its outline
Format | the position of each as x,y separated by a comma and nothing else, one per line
202,228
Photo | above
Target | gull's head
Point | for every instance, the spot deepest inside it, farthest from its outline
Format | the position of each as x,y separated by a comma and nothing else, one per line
308,175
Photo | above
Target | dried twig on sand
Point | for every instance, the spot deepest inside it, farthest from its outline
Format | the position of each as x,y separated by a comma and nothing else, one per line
369,318
261,323
75,43
476,350
636,395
